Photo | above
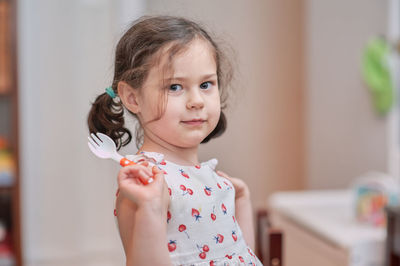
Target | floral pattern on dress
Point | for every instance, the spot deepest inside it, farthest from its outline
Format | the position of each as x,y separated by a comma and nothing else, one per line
201,224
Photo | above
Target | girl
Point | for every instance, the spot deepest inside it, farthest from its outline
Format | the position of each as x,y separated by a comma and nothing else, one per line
173,78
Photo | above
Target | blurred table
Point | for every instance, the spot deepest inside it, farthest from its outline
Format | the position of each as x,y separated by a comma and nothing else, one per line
320,229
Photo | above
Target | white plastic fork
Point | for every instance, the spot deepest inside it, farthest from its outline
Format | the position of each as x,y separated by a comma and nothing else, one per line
104,147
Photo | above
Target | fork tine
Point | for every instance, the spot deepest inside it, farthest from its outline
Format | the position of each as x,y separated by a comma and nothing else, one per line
102,137
96,138
91,146
93,143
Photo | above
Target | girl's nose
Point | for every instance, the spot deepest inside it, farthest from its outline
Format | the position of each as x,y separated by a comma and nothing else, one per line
195,100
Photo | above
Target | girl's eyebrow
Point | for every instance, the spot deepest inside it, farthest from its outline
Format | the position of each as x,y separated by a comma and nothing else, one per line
202,78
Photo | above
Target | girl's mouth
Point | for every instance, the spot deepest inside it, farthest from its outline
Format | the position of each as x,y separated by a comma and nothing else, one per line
194,122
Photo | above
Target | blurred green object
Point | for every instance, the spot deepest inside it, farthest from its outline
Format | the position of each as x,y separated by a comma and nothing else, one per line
376,74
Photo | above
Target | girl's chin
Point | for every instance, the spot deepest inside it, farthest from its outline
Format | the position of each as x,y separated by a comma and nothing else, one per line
192,143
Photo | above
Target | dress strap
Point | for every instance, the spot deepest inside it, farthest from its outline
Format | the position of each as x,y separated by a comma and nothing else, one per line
152,157
158,158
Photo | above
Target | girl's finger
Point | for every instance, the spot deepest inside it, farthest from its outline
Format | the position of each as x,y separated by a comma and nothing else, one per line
146,180
231,179
146,166
157,173
155,170
145,163
150,172
135,171
220,173
146,176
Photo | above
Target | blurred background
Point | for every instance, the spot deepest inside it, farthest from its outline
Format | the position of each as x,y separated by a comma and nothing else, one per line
302,117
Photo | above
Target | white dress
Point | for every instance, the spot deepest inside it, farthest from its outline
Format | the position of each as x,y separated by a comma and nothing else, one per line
201,224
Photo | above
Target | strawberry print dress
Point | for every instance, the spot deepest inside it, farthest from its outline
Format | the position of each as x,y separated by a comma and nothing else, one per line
201,224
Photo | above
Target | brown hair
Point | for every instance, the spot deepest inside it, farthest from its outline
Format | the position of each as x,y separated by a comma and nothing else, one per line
134,57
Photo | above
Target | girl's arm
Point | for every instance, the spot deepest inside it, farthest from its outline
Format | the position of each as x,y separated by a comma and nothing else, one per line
243,208
141,218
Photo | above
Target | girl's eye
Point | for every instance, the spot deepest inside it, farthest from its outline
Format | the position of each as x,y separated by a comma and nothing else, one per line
175,87
206,85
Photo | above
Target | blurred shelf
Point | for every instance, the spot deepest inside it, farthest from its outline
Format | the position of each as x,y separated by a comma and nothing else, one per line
6,94
6,190
6,73
6,181
10,231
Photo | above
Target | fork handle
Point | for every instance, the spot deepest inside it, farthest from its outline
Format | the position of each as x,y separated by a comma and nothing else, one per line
125,162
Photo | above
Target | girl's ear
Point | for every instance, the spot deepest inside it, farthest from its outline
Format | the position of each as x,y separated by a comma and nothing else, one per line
128,96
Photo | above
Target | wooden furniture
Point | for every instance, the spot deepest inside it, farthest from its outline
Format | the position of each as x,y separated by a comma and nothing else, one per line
9,191
392,257
320,229
269,240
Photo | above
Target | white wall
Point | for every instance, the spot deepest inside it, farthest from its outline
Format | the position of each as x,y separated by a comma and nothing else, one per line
345,138
65,60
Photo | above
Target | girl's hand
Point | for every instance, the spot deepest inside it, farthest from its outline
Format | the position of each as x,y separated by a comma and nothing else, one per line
241,189
154,195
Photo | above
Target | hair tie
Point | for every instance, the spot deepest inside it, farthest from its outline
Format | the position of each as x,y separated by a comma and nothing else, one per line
111,92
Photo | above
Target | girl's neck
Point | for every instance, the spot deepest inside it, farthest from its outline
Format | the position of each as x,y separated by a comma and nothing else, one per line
178,155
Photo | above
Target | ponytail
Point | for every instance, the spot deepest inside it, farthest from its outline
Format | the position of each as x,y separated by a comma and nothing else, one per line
107,116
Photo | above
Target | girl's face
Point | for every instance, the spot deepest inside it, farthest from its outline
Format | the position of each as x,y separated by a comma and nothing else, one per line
192,106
